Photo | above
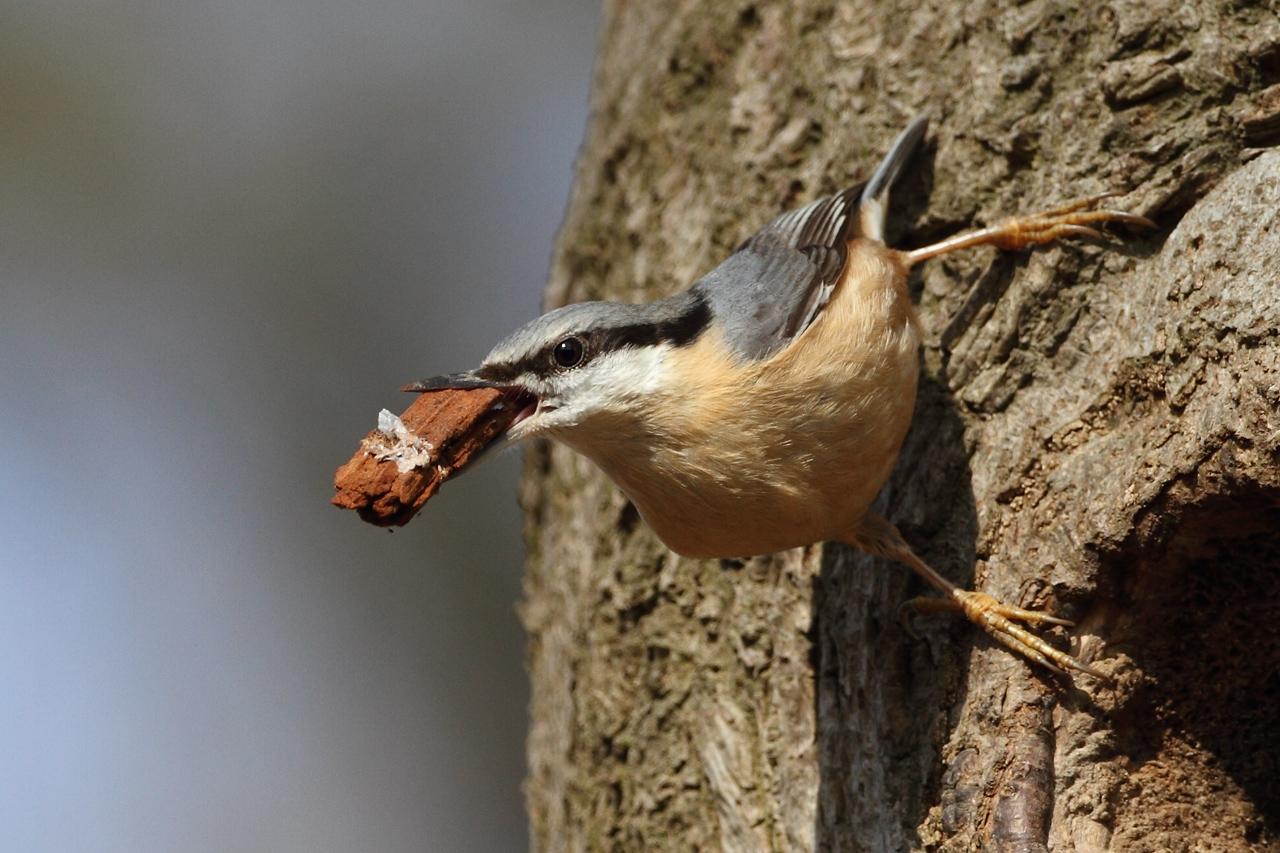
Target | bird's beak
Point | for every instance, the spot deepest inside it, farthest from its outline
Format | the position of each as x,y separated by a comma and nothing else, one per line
451,381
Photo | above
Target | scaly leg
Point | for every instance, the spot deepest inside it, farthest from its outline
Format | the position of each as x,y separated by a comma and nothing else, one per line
1069,220
877,536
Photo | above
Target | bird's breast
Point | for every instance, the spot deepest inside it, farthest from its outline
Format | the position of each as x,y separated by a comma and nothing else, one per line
741,458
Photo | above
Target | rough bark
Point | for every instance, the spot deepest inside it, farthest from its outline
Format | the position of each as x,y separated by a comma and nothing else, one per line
1098,432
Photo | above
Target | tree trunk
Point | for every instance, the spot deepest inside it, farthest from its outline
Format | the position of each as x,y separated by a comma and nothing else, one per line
1098,433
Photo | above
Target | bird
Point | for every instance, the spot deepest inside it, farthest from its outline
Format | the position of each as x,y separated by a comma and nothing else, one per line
763,407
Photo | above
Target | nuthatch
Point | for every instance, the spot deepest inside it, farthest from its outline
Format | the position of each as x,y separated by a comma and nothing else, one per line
763,408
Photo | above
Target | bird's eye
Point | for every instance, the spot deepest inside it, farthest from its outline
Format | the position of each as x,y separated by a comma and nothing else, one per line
568,353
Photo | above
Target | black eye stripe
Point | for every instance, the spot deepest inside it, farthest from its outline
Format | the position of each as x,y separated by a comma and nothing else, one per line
678,330
499,372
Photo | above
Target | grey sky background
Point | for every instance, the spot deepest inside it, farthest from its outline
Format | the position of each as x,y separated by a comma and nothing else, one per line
228,232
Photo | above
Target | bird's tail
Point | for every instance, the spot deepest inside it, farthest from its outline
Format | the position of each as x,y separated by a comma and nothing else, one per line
874,204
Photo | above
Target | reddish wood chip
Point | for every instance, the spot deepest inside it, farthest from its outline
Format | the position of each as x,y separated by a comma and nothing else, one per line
402,464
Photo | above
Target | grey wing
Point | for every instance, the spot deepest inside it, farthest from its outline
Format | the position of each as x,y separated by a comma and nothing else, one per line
770,290
779,280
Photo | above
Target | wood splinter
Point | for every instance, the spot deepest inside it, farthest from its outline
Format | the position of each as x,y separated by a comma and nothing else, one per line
406,460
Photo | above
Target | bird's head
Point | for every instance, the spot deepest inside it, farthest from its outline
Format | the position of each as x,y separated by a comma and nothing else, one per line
580,371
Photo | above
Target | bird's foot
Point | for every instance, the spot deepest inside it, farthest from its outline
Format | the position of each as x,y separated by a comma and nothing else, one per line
1074,219
1069,220
1001,620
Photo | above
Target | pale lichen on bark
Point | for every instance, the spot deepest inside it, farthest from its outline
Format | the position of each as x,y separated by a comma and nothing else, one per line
1097,432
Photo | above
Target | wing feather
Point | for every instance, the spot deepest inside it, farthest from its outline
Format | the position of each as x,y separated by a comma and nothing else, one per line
780,278
778,281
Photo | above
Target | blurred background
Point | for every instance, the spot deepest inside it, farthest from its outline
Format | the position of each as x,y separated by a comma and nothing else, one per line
228,232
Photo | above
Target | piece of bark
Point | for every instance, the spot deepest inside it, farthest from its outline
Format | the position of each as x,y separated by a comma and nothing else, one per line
400,465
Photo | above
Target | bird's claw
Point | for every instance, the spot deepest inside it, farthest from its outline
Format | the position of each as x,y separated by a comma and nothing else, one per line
1001,620
1073,219
1069,220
